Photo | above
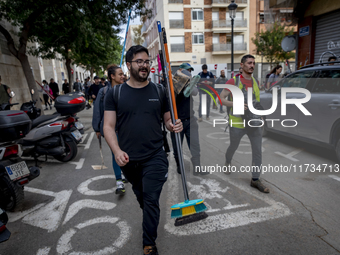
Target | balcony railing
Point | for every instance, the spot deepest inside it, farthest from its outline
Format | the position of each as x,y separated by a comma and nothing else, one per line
143,28
175,1
175,23
145,44
228,1
227,47
227,23
178,47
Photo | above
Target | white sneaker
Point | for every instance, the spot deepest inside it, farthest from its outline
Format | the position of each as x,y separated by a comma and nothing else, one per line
120,188
124,179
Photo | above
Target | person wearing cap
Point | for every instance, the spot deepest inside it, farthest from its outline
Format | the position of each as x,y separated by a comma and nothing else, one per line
95,87
206,77
186,112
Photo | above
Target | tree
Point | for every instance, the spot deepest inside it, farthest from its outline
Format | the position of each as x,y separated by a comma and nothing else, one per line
268,44
57,25
138,38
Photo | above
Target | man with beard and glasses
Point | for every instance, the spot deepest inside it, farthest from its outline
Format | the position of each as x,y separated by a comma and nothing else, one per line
135,109
236,123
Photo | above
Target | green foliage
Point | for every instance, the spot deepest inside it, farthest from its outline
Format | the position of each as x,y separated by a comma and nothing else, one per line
138,38
268,44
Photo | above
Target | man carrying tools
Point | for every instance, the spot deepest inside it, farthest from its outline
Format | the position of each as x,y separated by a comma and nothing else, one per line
136,108
237,130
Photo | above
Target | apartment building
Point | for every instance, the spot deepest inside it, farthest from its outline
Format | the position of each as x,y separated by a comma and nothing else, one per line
198,32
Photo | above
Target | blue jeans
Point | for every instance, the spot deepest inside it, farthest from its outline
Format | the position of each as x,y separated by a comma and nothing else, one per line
255,137
116,168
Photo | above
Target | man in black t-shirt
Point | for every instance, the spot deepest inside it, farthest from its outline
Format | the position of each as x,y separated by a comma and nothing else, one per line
136,111
55,88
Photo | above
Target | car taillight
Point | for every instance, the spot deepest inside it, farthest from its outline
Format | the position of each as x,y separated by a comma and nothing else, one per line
77,100
11,150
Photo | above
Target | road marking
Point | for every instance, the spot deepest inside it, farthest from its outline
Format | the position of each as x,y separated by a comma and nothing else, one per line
334,177
49,216
44,251
227,220
87,203
64,245
211,136
88,144
18,215
84,138
84,189
79,164
289,155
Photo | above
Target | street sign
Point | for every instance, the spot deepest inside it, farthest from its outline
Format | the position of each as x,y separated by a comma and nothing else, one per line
72,71
152,70
215,66
303,31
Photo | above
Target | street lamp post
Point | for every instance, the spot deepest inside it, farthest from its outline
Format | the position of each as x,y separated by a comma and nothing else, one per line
232,13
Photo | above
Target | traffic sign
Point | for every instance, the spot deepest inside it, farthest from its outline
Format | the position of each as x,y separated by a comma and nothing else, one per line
152,70
215,66
72,71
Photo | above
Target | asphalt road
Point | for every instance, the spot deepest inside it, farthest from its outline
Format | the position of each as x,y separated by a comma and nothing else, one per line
72,209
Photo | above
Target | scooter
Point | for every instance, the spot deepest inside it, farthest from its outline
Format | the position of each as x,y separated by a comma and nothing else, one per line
52,135
14,172
30,109
4,232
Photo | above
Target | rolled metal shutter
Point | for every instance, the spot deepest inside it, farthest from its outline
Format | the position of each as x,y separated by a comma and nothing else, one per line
327,35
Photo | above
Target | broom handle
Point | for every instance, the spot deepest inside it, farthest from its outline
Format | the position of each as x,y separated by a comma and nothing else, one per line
172,100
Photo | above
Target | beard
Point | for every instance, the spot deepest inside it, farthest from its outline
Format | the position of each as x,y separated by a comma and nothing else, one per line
140,77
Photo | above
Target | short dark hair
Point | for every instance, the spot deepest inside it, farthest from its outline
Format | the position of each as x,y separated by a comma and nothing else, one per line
204,66
111,69
331,57
133,51
245,57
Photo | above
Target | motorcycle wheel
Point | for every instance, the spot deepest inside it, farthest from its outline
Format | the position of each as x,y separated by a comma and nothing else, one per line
13,194
70,152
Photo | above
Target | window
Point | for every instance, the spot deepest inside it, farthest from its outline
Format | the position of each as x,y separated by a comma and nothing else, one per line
197,14
216,39
261,18
298,80
215,16
177,44
197,38
238,39
328,82
239,16
176,15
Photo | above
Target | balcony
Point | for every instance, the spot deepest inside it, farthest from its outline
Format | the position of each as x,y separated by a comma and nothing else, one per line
175,1
175,23
145,44
178,47
225,3
220,49
224,26
144,28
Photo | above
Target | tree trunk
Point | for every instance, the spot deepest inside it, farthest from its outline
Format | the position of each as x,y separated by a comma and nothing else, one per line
22,57
69,73
26,67
91,72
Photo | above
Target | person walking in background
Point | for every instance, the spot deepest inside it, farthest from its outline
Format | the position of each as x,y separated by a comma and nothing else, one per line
274,76
238,129
116,76
206,77
66,87
77,86
55,88
331,59
5,92
221,80
46,97
94,89
87,88
102,82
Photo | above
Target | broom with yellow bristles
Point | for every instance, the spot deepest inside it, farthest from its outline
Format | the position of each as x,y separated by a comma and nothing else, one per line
189,210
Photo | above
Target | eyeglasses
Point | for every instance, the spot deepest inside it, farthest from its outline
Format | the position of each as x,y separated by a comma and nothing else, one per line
141,62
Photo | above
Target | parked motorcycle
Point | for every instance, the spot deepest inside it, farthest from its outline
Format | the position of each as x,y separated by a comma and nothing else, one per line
4,232
56,135
14,173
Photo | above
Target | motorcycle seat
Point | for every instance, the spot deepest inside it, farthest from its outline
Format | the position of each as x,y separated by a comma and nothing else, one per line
41,119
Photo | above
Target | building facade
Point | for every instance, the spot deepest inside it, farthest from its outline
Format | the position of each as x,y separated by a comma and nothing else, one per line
198,32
